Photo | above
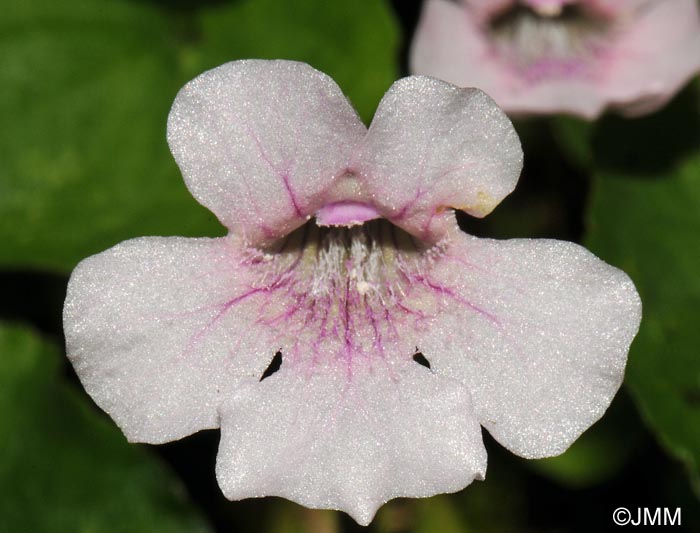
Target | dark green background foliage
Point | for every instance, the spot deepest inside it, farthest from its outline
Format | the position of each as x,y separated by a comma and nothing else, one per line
85,89
87,85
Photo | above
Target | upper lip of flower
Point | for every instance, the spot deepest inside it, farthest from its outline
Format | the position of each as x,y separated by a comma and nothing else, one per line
344,162
344,256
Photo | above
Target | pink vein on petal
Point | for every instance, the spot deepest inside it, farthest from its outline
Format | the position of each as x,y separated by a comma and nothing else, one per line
282,174
225,308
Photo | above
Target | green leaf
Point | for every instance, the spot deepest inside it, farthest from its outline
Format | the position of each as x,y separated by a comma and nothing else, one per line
356,43
288,517
424,515
66,468
645,218
87,85
439,513
573,136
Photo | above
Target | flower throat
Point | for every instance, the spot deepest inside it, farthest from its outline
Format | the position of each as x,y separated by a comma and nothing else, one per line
346,291
528,37
372,260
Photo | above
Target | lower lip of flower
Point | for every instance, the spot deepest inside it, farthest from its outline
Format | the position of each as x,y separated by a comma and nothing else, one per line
549,40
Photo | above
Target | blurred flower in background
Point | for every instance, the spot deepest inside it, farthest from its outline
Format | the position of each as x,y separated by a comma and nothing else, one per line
562,56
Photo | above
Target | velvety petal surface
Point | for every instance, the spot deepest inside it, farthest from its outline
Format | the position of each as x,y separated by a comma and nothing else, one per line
350,443
260,143
432,146
159,328
538,331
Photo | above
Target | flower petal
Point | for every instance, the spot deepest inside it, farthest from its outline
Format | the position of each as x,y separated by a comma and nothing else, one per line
349,443
260,142
159,328
539,334
656,55
432,145
450,44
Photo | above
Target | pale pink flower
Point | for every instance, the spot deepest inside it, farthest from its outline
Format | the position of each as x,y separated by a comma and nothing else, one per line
345,256
570,56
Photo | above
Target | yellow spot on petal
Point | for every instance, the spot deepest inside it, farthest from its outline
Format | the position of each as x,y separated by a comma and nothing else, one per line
483,206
